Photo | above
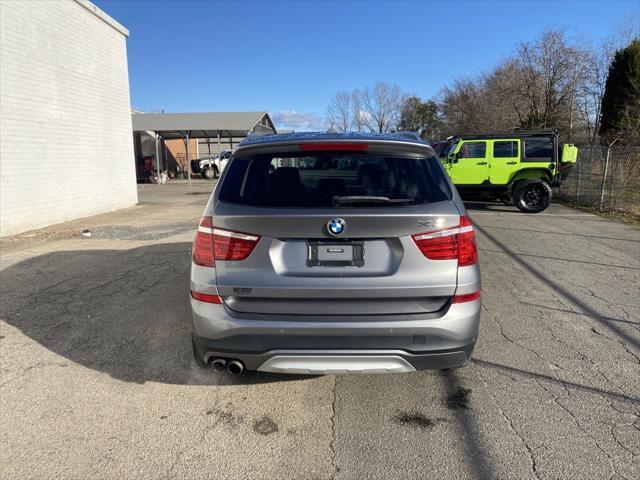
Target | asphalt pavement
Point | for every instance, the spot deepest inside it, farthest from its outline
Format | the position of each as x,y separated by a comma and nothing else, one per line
97,378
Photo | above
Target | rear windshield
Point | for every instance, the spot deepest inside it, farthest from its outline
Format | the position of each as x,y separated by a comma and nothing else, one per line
333,180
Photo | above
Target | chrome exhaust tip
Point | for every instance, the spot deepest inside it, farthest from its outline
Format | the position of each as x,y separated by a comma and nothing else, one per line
219,364
234,367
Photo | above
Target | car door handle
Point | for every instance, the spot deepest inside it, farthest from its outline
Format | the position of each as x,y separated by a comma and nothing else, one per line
481,163
511,163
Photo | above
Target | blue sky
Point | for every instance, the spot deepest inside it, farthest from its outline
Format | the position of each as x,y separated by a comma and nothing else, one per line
290,57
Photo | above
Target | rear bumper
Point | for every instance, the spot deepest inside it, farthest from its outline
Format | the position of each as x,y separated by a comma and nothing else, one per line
320,362
308,345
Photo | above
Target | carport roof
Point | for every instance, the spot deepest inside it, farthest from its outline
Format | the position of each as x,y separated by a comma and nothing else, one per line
202,124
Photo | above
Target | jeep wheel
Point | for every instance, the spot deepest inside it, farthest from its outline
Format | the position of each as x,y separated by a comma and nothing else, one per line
532,196
210,173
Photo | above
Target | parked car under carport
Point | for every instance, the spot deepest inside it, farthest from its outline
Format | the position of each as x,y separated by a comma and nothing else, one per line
210,167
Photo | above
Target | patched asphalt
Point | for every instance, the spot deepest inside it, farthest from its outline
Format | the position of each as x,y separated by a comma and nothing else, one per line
97,378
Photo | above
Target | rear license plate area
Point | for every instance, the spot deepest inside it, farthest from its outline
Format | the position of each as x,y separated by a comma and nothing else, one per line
335,254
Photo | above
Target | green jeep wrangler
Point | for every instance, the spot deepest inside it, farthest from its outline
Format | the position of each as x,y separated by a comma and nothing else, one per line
518,168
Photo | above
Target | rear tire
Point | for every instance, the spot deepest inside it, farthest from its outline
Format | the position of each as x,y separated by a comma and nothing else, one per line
532,196
210,173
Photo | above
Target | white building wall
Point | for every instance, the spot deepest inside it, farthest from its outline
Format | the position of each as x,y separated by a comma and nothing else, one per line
66,147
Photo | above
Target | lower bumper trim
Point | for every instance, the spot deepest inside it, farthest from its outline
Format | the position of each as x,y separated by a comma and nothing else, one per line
335,364
325,361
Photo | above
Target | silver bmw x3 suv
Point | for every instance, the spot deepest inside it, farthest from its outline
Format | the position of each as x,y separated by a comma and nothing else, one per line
324,253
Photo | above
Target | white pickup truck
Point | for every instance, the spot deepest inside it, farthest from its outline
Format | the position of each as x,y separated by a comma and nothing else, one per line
211,167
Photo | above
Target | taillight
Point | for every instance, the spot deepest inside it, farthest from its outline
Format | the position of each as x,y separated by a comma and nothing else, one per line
202,252
466,297
228,245
204,297
213,244
450,244
467,250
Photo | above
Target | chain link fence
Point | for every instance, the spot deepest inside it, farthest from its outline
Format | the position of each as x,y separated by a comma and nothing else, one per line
604,178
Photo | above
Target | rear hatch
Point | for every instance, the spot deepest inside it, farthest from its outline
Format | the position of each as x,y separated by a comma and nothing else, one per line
329,231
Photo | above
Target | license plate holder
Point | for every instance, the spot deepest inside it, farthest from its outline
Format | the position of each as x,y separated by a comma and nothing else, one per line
335,254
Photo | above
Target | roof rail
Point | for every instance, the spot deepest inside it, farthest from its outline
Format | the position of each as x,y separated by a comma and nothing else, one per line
259,133
507,133
540,130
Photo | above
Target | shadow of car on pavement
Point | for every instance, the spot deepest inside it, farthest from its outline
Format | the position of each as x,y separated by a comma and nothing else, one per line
121,312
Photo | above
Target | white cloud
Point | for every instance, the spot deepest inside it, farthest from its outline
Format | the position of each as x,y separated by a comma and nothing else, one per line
292,120
364,116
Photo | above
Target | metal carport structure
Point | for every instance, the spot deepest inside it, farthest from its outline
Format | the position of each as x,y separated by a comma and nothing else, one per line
208,125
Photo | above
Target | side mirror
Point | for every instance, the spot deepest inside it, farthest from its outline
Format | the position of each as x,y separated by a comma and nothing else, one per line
453,158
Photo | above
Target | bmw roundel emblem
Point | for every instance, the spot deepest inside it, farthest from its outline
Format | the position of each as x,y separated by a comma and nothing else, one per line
336,226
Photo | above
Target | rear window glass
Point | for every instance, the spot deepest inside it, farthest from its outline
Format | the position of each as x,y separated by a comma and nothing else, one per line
538,149
333,180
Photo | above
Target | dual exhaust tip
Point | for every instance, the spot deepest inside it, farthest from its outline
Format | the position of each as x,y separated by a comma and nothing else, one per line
232,367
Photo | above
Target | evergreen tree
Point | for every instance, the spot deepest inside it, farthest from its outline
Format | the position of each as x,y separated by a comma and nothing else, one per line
621,101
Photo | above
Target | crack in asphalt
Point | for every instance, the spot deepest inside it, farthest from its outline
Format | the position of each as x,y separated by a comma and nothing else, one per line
611,306
612,429
554,397
540,277
509,339
332,419
608,303
603,320
530,452
582,355
556,401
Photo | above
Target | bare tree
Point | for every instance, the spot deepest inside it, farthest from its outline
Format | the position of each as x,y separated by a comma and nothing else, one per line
627,30
501,105
460,108
381,107
542,86
552,70
591,89
340,112
356,112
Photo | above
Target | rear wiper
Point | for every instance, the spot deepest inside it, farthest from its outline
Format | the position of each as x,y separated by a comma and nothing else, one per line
365,199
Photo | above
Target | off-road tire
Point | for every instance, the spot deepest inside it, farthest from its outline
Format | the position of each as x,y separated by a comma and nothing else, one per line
210,173
532,196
